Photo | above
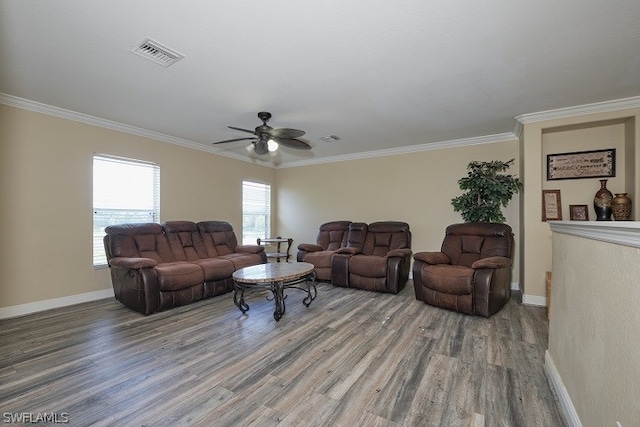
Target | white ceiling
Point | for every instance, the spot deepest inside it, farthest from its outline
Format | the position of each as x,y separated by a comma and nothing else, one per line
379,74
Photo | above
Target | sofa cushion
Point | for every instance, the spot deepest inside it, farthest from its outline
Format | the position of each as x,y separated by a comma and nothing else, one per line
321,260
332,235
178,275
185,240
139,241
241,260
385,236
218,237
215,268
448,279
368,265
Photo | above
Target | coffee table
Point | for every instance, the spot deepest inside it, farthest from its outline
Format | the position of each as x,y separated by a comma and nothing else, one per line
275,277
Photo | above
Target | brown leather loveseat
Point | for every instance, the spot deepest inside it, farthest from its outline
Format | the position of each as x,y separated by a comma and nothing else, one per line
472,271
155,267
374,256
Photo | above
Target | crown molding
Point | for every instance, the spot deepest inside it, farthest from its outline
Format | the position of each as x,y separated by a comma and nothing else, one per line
620,104
487,139
25,104
580,110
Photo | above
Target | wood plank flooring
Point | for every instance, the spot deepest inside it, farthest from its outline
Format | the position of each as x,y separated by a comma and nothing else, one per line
353,358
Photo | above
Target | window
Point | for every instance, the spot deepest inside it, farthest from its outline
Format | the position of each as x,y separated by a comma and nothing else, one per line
256,211
124,191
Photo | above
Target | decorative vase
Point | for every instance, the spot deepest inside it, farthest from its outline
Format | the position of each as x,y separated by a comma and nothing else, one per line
602,202
621,207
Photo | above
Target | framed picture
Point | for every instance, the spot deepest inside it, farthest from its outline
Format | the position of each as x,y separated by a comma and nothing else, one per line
582,164
551,205
578,212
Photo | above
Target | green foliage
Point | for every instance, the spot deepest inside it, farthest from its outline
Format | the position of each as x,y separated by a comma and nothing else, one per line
487,190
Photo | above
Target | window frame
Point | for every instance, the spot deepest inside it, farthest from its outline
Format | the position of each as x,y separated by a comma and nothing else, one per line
114,193
249,237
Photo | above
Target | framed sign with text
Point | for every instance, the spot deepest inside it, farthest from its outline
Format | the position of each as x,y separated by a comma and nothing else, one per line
582,164
551,205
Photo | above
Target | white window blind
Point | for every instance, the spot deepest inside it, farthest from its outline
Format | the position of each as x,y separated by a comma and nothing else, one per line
256,211
124,191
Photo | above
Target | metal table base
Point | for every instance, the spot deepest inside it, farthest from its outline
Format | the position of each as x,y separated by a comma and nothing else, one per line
306,283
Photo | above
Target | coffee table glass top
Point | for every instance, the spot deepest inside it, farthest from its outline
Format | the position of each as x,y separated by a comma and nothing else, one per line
273,272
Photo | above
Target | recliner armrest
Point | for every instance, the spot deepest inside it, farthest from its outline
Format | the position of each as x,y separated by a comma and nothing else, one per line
309,247
349,251
432,257
492,262
249,249
134,263
399,253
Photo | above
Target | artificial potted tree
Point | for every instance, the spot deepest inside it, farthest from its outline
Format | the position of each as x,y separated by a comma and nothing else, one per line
486,190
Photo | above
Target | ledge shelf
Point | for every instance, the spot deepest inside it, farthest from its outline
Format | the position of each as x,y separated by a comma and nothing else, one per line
625,233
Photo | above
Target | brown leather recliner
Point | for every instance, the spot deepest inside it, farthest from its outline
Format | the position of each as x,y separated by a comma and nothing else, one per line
377,257
472,272
331,237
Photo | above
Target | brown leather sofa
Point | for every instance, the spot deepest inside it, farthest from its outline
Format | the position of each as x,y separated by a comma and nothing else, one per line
472,272
374,257
331,237
155,267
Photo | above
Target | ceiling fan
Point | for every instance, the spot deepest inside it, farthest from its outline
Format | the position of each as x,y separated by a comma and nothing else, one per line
267,139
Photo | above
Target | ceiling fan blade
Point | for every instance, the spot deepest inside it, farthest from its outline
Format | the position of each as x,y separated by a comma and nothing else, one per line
240,129
292,143
286,133
231,140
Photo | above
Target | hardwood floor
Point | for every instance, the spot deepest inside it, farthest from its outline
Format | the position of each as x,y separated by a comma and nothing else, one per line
353,358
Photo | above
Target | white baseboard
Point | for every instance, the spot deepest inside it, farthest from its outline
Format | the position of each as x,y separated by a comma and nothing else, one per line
34,307
534,300
569,412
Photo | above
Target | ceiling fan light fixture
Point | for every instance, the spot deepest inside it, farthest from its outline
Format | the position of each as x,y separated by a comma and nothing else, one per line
272,146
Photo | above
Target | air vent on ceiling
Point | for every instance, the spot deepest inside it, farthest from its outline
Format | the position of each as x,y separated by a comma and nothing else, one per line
156,52
329,138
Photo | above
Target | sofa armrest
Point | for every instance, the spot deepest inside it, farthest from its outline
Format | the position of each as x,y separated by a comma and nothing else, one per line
492,262
249,249
309,247
134,263
349,251
432,257
404,252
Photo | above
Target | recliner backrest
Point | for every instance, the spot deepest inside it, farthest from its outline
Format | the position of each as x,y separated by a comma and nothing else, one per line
469,242
333,235
218,237
384,236
145,240
185,240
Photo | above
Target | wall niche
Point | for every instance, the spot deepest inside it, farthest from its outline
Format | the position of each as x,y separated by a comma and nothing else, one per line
618,134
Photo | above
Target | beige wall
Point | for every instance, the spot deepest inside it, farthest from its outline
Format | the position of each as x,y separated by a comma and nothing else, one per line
45,189
416,188
614,129
594,339
46,198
